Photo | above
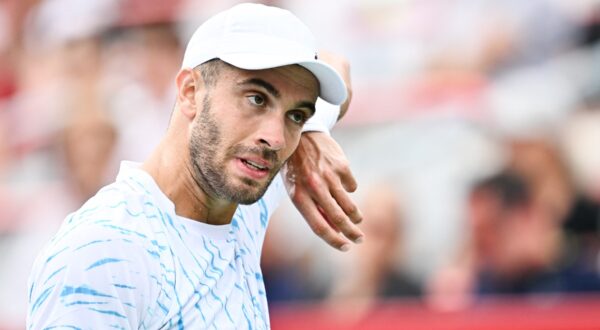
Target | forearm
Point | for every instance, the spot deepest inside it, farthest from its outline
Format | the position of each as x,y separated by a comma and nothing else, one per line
318,177
327,115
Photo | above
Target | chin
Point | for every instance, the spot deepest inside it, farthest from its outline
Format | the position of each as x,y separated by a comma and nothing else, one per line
249,192
247,198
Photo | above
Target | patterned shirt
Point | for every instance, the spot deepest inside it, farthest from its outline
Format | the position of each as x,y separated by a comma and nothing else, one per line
125,260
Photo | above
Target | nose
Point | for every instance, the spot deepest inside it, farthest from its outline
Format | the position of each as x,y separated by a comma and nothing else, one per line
272,132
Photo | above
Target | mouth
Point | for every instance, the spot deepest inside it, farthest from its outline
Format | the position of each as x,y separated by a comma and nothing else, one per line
254,165
256,169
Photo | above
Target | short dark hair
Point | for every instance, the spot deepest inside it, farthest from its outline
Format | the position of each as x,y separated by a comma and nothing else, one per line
210,71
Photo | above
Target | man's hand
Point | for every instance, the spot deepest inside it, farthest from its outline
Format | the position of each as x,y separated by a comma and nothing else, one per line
319,180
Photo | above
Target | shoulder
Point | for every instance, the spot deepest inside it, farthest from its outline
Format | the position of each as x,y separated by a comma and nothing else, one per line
119,220
120,207
108,253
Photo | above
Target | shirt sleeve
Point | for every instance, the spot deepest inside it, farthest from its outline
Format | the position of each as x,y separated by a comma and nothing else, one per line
94,276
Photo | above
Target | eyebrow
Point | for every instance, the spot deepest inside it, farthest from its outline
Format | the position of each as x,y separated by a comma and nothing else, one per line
309,105
257,81
273,91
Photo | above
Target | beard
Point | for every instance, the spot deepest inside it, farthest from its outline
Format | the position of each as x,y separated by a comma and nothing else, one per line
209,170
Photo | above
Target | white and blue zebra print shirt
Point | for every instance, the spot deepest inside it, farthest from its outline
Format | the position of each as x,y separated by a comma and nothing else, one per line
125,260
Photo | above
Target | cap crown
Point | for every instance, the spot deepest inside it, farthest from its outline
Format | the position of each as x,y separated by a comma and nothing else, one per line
254,36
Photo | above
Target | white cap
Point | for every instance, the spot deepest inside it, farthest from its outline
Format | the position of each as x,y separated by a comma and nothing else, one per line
254,37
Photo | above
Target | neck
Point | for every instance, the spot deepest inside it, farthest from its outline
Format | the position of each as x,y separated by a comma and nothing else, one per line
173,173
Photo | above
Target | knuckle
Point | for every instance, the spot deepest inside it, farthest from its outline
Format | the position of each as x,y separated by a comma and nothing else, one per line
297,197
330,176
313,181
338,190
352,209
338,219
319,229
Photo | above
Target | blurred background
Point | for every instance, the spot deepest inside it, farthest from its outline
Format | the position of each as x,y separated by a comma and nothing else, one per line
474,133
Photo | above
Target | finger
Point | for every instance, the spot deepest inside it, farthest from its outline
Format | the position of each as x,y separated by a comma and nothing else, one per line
347,204
347,179
319,225
335,215
331,224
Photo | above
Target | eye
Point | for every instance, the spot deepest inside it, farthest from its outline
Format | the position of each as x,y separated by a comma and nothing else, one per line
298,117
256,100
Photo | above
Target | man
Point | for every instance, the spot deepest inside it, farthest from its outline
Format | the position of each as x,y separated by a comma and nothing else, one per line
168,245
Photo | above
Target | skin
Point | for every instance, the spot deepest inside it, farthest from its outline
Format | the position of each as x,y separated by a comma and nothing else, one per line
257,116
343,68
319,179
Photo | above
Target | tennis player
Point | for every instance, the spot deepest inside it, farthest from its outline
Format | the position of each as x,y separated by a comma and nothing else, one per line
175,242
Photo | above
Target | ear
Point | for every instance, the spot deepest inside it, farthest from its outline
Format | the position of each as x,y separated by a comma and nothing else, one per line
187,86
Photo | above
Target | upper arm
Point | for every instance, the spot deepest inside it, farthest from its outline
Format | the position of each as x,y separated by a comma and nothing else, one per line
93,276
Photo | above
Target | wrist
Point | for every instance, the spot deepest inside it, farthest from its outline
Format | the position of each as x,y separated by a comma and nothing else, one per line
324,119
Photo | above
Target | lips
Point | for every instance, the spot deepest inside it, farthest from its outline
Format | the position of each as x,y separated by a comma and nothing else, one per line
255,168
255,165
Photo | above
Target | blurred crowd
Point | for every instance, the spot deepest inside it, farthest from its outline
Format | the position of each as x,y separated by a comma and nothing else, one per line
474,133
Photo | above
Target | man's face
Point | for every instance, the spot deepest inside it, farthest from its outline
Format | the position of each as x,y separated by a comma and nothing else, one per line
248,125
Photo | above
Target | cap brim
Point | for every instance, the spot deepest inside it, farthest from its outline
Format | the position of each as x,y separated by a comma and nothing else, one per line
332,86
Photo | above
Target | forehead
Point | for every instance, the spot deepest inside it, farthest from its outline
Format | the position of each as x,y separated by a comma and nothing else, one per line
289,79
